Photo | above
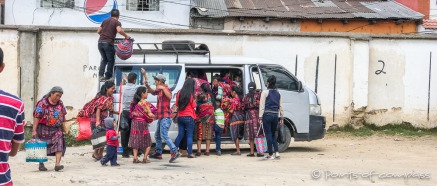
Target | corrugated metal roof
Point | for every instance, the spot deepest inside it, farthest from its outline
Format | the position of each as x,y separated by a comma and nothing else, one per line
311,9
391,9
322,3
209,8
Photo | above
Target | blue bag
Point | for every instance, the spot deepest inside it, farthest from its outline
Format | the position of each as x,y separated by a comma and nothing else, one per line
36,151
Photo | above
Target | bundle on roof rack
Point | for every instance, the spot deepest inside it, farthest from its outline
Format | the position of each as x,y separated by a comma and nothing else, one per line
124,49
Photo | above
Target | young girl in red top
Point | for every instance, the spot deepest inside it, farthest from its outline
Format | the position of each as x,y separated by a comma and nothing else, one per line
186,104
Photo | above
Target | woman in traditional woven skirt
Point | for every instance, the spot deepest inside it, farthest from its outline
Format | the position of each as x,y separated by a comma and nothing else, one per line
204,118
237,116
104,108
49,115
251,107
142,114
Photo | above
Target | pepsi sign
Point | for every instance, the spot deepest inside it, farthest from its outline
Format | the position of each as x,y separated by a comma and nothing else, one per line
99,10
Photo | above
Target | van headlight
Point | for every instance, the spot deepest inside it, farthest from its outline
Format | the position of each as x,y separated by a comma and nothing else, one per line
315,110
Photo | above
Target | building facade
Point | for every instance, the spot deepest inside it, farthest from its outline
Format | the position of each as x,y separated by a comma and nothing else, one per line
90,13
429,9
362,16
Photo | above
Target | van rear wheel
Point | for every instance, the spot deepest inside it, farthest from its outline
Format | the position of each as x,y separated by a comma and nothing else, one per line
283,146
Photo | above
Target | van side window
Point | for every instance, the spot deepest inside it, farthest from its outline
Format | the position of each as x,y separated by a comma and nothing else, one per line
171,73
256,78
284,80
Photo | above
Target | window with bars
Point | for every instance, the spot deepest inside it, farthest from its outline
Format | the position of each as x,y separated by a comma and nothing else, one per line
57,3
142,5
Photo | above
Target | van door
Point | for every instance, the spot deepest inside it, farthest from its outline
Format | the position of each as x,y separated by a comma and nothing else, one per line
294,103
175,75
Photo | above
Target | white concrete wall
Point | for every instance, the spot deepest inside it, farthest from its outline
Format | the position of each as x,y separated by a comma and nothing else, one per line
10,77
432,9
400,95
24,12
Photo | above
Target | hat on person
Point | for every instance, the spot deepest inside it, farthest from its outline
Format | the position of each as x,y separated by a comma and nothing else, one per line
109,122
159,77
252,85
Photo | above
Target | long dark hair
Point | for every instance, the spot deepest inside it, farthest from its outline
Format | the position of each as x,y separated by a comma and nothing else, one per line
217,77
207,89
137,96
106,86
252,89
239,91
186,93
272,82
192,74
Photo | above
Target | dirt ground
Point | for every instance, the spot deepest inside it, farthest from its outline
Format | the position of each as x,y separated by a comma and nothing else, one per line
327,159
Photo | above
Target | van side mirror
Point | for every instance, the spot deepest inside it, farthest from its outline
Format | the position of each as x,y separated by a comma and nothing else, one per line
299,86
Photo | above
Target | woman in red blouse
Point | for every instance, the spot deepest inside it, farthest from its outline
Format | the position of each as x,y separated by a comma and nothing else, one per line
105,108
49,115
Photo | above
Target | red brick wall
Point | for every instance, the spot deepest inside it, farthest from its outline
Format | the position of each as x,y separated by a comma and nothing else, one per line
421,6
413,4
424,8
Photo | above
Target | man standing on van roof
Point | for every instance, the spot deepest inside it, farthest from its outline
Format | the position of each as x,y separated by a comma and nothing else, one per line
128,94
163,115
107,31
11,129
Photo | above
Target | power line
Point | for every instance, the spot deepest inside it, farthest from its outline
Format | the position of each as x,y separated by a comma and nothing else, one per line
261,9
131,19
138,20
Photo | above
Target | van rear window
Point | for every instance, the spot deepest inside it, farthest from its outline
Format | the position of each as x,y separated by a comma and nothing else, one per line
171,73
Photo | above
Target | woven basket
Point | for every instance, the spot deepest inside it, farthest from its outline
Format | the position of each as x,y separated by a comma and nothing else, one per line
36,151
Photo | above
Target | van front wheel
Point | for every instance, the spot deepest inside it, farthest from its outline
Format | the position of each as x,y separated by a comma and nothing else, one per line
283,146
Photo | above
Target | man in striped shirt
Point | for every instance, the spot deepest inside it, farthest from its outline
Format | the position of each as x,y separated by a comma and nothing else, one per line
11,129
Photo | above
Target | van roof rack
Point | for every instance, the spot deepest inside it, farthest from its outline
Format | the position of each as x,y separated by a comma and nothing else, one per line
169,47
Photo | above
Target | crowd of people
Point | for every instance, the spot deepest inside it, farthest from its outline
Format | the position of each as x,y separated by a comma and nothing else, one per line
203,112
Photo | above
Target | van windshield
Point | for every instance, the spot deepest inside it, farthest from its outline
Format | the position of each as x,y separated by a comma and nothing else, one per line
171,73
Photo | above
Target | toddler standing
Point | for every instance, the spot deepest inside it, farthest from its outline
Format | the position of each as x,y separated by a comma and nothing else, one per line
111,143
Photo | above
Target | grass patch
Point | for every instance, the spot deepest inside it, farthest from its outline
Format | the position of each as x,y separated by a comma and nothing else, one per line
403,129
70,141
